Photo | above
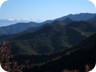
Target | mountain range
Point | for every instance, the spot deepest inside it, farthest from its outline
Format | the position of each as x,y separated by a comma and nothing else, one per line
67,43
52,38
6,22
20,26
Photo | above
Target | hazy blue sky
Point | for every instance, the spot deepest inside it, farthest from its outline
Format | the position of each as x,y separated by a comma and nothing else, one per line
40,10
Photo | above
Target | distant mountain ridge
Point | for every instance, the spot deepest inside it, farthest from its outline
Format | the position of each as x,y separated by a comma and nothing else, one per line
17,28
6,22
78,17
20,27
